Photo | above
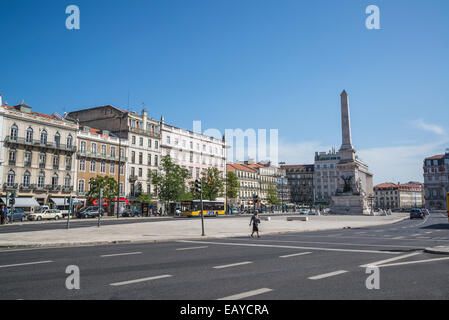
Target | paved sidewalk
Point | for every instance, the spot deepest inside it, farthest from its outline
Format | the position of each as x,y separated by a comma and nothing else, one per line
182,229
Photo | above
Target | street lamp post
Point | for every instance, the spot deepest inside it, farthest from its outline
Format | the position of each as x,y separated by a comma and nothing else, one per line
119,164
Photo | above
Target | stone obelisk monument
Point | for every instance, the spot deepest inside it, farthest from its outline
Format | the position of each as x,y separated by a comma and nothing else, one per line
355,182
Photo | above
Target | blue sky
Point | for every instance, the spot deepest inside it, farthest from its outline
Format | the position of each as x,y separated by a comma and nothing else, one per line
246,64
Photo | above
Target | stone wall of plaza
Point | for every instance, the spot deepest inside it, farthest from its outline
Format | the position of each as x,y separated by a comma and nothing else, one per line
143,136
98,155
398,196
193,151
300,183
436,181
326,178
37,154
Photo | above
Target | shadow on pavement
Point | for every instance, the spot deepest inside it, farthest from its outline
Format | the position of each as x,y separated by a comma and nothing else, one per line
439,226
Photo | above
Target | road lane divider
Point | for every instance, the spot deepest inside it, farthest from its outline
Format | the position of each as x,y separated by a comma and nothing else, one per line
191,248
327,275
412,262
377,263
247,294
140,280
25,264
295,255
288,247
232,265
119,254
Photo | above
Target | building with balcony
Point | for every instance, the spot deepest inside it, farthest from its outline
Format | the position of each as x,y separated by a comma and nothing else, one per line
99,154
326,175
248,179
193,151
143,137
436,181
37,154
300,183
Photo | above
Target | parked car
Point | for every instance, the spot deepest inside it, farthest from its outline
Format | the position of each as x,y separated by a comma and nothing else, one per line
46,215
19,215
90,212
304,211
131,213
416,214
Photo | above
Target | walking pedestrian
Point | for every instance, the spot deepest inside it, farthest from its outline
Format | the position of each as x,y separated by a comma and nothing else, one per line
255,221
2,214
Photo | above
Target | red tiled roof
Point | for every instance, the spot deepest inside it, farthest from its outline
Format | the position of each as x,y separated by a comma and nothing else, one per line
386,185
437,157
241,167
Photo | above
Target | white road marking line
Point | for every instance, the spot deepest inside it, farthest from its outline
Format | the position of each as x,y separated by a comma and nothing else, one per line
246,294
397,238
232,265
119,254
336,243
191,248
141,280
353,237
294,254
428,232
412,262
372,264
25,264
287,247
327,275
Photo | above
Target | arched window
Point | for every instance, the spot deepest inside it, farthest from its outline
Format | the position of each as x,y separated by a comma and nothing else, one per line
81,185
54,179
43,137
41,180
14,132
67,180
69,141
11,178
26,178
57,139
29,137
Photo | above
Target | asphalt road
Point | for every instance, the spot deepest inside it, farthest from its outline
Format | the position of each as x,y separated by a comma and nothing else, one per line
313,265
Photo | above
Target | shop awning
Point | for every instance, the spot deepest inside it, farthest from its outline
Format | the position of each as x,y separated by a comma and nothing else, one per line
24,202
61,201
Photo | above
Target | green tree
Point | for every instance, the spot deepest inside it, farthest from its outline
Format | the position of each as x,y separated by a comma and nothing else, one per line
212,184
272,196
232,186
109,186
170,181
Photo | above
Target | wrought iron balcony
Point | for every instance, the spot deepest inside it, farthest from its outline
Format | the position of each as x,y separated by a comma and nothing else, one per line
67,188
10,186
26,187
39,143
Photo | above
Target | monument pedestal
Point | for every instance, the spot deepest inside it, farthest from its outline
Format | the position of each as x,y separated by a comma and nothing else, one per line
350,204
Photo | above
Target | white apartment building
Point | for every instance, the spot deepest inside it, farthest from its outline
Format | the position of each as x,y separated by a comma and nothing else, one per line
325,178
193,151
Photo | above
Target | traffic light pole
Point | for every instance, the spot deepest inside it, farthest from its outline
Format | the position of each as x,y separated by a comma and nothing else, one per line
202,216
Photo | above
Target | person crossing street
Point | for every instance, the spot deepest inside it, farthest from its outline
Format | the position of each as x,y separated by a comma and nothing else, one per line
255,221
